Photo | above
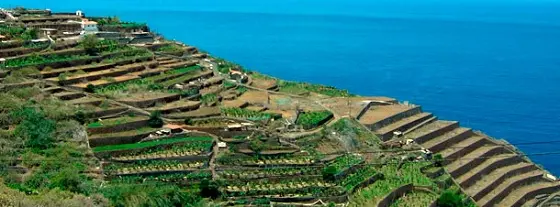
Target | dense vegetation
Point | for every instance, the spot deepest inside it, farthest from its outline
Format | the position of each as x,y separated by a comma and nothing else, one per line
62,171
18,33
313,119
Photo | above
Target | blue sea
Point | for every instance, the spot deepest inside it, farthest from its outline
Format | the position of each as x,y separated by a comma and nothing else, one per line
492,65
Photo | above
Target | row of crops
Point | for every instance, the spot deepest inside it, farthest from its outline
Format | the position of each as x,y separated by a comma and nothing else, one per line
395,175
415,198
294,187
300,88
264,161
158,144
151,83
115,121
181,177
248,114
151,166
269,172
313,119
37,59
351,181
344,162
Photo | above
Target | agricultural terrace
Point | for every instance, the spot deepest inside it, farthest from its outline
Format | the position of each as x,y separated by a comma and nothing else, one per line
169,125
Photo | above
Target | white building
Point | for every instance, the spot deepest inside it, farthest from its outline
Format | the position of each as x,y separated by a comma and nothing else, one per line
89,26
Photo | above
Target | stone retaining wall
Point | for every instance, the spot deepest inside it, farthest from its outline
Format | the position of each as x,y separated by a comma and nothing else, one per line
496,199
451,141
396,117
475,162
436,133
488,169
119,128
482,192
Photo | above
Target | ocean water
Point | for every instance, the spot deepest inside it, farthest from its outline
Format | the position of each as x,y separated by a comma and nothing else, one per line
498,72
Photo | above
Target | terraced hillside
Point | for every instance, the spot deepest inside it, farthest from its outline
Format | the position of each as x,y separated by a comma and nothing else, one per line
162,114
491,171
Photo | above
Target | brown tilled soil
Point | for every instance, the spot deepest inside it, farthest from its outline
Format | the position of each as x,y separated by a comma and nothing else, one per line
378,113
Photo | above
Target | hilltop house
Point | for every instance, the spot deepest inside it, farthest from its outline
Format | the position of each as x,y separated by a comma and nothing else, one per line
89,26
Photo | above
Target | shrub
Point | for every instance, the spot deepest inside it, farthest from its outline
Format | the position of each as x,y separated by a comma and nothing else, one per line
329,173
155,120
313,119
48,69
80,116
450,198
188,121
29,71
90,88
209,189
29,34
89,43
63,77
438,160
36,130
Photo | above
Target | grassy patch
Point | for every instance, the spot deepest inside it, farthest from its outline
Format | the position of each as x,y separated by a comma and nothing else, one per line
300,88
172,48
313,119
125,133
149,144
115,121
394,177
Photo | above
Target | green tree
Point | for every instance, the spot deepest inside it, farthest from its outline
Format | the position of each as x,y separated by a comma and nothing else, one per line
450,198
438,160
209,189
155,120
35,129
89,43
329,173
90,88
29,34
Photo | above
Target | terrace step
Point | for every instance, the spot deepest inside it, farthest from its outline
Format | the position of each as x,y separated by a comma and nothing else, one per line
181,64
177,106
85,68
523,194
432,130
202,112
53,89
86,100
153,72
420,125
167,62
487,166
163,58
112,72
512,183
444,141
377,117
463,147
473,159
103,82
187,77
69,95
402,125
490,181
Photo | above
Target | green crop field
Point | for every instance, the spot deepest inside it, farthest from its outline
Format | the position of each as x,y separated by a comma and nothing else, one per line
151,143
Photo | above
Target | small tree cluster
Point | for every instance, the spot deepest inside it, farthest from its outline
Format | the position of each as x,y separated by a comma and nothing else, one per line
155,120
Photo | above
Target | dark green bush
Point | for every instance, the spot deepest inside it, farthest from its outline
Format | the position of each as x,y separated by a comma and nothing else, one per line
329,173
155,120
451,198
